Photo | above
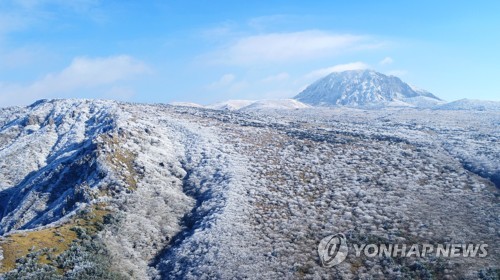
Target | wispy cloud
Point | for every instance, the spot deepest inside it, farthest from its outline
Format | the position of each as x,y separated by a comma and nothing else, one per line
227,84
83,73
90,72
286,47
220,31
319,73
276,78
386,61
225,80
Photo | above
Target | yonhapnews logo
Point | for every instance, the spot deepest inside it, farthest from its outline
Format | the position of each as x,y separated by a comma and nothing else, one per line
333,250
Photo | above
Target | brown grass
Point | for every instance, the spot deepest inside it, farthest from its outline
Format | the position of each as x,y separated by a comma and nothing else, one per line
120,158
58,239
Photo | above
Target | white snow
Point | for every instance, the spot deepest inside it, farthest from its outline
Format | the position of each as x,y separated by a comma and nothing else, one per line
363,88
249,194
231,105
186,104
471,104
278,104
256,105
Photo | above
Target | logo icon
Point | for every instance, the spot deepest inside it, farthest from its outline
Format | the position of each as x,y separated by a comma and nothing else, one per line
333,250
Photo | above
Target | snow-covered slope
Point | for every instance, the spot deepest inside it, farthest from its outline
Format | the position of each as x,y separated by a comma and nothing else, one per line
230,105
471,104
48,155
186,104
277,104
256,105
109,190
364,88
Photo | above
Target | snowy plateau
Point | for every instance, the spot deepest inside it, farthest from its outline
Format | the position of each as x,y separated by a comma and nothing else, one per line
95,189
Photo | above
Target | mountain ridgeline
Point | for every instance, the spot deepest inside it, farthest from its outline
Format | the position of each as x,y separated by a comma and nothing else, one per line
365,88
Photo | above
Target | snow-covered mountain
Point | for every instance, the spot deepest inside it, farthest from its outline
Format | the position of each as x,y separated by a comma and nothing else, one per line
471,104
95,189
365,88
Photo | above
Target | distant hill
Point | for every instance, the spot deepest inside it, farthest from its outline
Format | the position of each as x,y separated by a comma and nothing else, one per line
186,104
230,105
471,104
275,104
249,105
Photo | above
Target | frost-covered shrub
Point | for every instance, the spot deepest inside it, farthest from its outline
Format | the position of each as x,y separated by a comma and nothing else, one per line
29,268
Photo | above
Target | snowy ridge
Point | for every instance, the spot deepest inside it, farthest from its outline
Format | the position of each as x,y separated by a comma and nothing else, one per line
280,104
230,105
186,104
53,144
255,105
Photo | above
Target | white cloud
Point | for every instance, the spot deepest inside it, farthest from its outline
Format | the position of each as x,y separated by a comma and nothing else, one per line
276,78
316,74
285,47
227,84
386,61
224,81
227,79
237,87
220,31
83,73
86,73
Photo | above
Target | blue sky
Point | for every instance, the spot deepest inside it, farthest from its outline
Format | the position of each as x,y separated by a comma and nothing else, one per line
209,51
